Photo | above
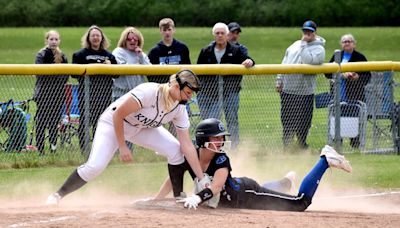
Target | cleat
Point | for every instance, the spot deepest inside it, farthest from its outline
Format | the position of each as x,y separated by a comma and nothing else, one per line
291,176
336,160
53,199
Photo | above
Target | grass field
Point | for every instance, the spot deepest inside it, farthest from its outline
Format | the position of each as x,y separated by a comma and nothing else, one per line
266,46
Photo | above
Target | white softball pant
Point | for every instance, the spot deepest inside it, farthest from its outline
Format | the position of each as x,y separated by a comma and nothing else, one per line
105,145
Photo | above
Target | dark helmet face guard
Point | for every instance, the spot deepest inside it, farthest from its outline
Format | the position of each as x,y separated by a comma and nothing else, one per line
186,83
212,128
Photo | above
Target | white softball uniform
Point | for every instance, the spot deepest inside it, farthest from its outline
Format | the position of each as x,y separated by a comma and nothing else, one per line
143,128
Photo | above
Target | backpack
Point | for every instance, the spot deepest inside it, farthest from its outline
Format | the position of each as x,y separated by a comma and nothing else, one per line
13,121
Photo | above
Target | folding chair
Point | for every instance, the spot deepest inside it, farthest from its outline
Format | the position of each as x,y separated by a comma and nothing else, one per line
353,121
381,110
69,124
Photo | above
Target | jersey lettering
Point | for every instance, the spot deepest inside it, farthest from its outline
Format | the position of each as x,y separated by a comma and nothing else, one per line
147,122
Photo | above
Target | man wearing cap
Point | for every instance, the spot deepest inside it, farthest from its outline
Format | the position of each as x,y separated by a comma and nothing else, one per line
297,90
234,36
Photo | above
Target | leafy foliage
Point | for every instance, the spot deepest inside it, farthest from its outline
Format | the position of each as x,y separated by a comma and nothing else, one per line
199,13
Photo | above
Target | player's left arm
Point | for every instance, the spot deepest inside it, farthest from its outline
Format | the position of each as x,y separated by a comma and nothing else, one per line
219,180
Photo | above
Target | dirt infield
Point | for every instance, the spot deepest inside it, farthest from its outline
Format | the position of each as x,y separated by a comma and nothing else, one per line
380,211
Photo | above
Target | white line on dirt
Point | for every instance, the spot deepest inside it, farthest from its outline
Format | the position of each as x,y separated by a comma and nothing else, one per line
358,196
56,219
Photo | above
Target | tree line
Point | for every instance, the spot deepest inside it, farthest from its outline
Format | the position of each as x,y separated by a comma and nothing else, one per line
57,13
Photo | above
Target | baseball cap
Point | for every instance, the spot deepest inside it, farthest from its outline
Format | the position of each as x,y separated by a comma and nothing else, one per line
233,26
310,25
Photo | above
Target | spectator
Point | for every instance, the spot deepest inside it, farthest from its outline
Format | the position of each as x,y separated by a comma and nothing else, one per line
49,92
222,91
168,50
297,90
234,36
94,45
351,83
129,51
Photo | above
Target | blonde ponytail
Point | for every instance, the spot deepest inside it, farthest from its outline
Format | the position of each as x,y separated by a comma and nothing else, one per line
57,55
165,96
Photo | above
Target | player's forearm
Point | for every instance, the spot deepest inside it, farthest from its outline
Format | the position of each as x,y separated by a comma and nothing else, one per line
191,157
119,129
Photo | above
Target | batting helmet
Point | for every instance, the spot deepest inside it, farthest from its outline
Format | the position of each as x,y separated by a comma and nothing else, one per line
207,128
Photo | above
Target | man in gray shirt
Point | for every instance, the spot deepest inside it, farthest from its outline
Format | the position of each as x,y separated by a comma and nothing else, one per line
297,90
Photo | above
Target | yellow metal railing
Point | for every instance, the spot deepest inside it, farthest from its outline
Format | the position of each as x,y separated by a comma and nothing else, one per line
209,69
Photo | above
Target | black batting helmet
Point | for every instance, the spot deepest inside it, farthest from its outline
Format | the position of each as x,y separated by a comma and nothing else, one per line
207,128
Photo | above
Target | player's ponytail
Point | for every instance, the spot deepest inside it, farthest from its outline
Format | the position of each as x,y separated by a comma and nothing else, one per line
165,96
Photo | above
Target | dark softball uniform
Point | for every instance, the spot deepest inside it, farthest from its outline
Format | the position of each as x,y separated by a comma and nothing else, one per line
246,193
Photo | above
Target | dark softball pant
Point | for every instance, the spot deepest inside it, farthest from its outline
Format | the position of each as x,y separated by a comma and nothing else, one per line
253,196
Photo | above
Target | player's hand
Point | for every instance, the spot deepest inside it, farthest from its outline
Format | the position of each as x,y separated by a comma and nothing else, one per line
190,202
205,182
125,154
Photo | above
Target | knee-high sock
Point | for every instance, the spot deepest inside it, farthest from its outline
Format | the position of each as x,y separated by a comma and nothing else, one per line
73,183
310,182
176,173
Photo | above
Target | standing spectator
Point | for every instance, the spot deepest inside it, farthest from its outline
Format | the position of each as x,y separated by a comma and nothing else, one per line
351,83
168,50
234,36
49,92
222,91
129,51
94,45
297,90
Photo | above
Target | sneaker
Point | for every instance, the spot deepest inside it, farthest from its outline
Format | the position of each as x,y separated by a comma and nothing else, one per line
291,176
53,199
336,160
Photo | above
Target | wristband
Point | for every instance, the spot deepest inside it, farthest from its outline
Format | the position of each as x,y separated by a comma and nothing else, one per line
205,194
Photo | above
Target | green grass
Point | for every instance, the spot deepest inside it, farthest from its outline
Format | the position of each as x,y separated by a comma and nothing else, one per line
266,45
258,102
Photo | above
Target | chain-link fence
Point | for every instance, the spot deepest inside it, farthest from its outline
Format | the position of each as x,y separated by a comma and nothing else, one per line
60,117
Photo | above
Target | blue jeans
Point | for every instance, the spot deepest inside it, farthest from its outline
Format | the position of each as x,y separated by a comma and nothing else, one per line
211,108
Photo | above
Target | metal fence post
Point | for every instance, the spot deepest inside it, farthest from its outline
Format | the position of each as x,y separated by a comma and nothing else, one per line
337,79
87,114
